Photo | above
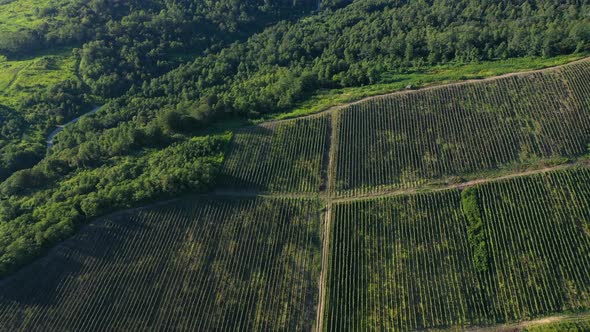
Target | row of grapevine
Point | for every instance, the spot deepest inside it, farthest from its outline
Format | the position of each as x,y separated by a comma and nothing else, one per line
408,139
407,263
195,266
286,156
401,264
539,241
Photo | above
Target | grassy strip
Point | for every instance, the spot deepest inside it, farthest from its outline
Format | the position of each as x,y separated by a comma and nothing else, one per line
325,99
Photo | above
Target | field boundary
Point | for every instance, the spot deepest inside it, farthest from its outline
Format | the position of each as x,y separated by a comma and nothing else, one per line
326,196
510,327
433,86
459,185
332,148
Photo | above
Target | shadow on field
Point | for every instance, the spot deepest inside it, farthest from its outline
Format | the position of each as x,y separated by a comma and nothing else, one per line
41,283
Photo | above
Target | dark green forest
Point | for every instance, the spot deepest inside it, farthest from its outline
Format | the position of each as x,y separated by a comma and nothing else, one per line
169,72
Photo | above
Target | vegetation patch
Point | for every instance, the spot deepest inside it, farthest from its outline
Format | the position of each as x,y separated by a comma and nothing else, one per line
57,206
476,230
20,79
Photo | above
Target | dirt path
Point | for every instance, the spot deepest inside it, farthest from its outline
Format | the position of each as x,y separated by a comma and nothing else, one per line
530,323
432,86
329,171
60,128
461,185
324,272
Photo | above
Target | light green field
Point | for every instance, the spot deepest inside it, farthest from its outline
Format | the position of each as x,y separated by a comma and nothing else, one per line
20,14
21,78
325,99
570,323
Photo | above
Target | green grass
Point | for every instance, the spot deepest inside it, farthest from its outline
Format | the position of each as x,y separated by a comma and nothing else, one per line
20,14
568,323
21,78
392,82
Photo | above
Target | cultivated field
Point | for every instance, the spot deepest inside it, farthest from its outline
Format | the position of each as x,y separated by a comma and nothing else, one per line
451,207
198,265
503,251
414,139
285,156
410,139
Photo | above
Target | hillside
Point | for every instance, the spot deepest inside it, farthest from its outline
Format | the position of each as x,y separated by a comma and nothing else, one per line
293,252
302,164
428,137
202,264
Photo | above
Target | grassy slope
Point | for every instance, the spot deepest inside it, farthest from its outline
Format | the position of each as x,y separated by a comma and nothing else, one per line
576,322
21,78
20,14
325,99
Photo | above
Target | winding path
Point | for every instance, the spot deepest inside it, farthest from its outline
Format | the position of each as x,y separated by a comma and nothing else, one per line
62,127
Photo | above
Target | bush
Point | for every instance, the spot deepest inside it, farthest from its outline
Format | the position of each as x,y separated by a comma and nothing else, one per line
475,230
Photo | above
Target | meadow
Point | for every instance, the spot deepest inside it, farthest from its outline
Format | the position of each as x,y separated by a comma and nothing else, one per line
22,14
21,78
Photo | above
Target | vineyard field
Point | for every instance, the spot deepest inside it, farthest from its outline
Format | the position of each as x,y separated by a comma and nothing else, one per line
518,250
198,265
464,206
412,138
286,156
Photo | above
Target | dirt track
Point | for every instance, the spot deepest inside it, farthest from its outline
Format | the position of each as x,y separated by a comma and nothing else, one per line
530,323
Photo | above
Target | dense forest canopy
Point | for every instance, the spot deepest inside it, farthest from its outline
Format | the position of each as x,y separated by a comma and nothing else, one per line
167,70
118,44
